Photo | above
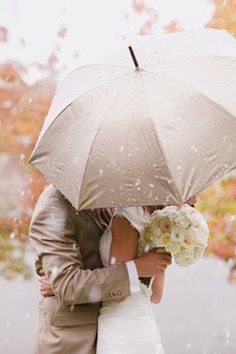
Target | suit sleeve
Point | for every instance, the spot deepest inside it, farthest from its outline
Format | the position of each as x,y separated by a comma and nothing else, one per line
52,236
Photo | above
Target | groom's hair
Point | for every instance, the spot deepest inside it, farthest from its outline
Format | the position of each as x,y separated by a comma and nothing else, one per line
103,216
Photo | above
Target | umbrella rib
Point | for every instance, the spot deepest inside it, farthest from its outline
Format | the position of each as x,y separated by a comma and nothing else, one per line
85,169
37,145
161,147
231,116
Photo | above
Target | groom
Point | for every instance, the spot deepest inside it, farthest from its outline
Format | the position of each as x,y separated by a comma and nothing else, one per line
66,244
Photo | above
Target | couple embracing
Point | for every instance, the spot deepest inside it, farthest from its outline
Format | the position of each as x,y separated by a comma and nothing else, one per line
95,297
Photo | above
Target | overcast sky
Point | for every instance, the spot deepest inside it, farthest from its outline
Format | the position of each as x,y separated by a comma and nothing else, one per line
89,23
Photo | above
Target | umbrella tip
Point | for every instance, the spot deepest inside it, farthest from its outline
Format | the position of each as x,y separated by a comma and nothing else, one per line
134,58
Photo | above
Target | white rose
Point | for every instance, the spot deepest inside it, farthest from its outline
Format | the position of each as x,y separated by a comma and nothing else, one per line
173,247
177,234
184,258
183,221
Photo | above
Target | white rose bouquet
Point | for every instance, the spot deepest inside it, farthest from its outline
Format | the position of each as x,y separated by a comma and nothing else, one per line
180,230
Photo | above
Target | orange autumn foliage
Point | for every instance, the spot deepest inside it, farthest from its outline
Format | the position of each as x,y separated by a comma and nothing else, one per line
224,16
23,107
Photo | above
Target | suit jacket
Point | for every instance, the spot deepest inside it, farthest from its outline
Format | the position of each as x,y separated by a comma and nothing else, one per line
66,244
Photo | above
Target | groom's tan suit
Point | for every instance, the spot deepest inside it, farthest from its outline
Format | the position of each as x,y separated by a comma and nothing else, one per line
67,250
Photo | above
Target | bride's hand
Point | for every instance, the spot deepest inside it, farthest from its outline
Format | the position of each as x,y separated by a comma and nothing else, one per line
150,263
45,287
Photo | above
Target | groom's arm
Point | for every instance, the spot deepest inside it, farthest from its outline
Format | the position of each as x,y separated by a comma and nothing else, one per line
52,236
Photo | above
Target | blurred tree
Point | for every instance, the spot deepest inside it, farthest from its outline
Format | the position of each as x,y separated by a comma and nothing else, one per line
22,111
218,203
224,16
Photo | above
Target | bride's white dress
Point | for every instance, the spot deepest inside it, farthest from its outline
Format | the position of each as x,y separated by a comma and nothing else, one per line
128,326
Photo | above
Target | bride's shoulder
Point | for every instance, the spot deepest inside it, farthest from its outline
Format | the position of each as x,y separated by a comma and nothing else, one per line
128,211
135,215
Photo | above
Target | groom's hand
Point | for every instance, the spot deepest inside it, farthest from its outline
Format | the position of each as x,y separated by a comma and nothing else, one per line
45,286
150,263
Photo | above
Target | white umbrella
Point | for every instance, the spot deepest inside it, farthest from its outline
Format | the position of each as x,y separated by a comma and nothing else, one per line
157,133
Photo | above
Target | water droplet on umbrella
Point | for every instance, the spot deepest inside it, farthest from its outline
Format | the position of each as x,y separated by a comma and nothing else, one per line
137,182
75,159
194,148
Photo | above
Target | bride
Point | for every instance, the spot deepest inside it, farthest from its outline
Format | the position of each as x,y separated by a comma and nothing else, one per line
129,326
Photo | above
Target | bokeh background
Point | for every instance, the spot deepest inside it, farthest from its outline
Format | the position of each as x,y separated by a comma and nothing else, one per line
40,42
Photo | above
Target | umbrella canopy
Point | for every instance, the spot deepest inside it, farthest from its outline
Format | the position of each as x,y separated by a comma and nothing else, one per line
157,133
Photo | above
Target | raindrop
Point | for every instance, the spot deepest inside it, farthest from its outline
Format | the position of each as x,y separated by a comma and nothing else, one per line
72,307
101,172
138,181
179,167
194,148
12,235
146,248
8,104
55,271
22,157
113,260
151,185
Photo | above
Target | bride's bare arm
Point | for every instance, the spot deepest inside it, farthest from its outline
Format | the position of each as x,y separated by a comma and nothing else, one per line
124,246
157,287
